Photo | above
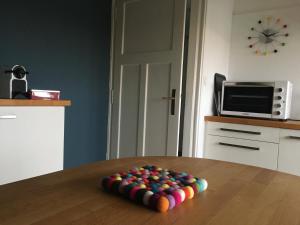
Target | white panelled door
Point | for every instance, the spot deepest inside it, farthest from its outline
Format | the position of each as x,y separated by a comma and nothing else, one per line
147,77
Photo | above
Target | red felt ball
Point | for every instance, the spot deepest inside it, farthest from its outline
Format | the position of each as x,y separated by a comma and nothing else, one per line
133,192
187,192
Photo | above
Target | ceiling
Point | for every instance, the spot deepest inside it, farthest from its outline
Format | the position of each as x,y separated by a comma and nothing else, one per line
247,6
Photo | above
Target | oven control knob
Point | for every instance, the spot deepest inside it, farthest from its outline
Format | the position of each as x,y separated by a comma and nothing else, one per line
278,98
280,90
278,105
277,113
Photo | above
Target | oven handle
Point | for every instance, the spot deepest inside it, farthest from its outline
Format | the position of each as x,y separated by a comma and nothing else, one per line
240,131
239,146
294,137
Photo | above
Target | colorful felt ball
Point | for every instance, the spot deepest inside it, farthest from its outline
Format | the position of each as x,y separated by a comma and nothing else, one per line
139,196
115,186
177,197
165,186
172,201
182,194
162,204
189,192
133,192
143,186
127,190
122,185
118,178
203,185
146,197
153,201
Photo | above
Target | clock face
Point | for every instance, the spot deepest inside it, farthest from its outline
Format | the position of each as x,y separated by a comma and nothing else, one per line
268,36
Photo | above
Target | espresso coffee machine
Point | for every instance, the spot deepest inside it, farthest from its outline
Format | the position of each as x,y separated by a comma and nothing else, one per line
13,83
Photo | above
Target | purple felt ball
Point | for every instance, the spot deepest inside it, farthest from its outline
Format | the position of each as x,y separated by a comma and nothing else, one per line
153,201
172,202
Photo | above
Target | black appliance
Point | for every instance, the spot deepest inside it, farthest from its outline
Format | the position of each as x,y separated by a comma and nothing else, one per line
219,79
13,82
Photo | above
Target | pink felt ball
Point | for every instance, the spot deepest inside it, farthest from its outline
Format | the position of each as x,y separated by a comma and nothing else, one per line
182,194
172,201
177,197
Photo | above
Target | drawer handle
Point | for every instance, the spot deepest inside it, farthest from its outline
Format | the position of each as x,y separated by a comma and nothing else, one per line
8,117
294,137
241,131
239,146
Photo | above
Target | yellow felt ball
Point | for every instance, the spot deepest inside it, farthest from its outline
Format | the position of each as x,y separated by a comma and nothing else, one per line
165,186
142,186
118,178
155,177
162,204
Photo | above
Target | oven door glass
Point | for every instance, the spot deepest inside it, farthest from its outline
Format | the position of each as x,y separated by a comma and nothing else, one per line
252,99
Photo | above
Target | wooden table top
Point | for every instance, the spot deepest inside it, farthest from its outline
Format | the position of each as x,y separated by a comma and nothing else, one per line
236,195
289,124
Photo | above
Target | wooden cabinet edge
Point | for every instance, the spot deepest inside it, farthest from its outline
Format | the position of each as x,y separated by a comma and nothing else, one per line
293,125
25,102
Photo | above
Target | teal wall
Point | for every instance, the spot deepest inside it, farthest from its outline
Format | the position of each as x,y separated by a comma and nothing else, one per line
65,45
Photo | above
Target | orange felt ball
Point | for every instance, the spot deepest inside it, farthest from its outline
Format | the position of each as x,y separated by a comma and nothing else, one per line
162,204
187,192
191,192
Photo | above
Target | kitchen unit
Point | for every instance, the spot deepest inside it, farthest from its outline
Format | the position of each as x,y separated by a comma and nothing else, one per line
31,138
265,143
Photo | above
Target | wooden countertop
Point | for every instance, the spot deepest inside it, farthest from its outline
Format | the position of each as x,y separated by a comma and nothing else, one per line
25,102
294,125
237,194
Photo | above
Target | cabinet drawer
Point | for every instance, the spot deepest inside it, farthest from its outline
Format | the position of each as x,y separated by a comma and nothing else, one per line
261,154
289,152
248,132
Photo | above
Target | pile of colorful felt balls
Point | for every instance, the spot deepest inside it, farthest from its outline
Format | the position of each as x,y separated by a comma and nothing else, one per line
157,188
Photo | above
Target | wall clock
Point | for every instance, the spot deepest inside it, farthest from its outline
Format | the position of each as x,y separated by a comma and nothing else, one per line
268,36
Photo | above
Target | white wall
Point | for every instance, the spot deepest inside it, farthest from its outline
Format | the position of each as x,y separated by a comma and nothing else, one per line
216,52
245,65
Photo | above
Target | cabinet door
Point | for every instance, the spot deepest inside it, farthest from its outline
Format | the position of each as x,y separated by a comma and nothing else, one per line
248,152
31,142
289,152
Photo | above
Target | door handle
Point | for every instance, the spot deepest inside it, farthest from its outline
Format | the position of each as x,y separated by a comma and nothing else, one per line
240,146
173,100
241,131
7,117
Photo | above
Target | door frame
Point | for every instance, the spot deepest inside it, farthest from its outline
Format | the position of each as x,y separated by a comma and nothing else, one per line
193,82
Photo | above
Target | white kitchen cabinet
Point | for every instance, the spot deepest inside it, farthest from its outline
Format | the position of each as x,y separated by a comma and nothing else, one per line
262,154
275,147
31,141
289,155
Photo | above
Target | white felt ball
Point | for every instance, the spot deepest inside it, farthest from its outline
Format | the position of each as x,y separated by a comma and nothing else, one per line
147,197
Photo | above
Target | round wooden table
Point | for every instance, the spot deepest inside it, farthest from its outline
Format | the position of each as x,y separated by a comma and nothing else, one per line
236,195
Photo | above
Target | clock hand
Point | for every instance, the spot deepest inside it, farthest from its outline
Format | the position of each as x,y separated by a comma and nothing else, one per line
269,35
